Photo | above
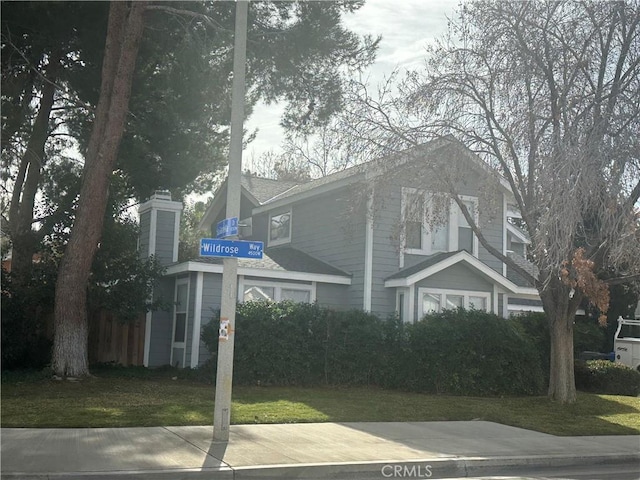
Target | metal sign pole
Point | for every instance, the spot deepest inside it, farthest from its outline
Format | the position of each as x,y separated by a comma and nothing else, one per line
224,376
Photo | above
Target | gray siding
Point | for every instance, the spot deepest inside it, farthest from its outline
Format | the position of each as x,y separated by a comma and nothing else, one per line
457,277
145,231
387,225
161,325
211,301
322,228
191,311
165,236
386,259
260,228
492,226
334,296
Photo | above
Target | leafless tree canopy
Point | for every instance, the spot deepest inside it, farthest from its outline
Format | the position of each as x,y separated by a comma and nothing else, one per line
548,94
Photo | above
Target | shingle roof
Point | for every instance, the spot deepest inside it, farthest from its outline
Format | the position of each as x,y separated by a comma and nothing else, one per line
264,189
334,177
379,165
431,260
284,259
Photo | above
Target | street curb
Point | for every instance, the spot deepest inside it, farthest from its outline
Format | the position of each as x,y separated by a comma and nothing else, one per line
427,468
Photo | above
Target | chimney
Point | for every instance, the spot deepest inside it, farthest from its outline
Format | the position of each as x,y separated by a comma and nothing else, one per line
159,227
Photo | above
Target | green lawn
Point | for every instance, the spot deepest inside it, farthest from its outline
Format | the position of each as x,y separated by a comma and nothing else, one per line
117,401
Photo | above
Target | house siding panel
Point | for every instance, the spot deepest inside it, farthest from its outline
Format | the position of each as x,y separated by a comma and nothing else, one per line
211,302
145,231
457,277
165,236
386,261
387,226
333,296
260,228
323,229
161,325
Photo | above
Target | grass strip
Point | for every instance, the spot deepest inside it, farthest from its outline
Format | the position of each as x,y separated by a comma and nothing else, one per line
140,402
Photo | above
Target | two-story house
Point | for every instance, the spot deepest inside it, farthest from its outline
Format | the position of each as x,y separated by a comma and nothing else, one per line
380,236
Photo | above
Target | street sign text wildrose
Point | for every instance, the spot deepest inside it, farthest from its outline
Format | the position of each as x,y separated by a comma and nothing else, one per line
217,247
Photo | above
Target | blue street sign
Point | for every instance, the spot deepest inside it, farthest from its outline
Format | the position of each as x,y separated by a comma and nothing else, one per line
227,227
218,247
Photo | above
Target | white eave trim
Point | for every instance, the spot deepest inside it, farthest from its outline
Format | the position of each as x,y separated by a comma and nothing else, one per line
258,272
450,261
527,292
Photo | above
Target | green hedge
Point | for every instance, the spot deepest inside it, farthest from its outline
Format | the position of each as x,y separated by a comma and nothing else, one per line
604,376
469,352
455,352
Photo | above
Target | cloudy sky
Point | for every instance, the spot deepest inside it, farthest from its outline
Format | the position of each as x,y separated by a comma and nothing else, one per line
406,27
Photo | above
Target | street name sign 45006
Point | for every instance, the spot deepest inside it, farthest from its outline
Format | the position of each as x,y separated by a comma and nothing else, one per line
218,247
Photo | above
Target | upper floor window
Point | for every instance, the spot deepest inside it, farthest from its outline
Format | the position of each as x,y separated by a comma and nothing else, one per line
433,223
280,228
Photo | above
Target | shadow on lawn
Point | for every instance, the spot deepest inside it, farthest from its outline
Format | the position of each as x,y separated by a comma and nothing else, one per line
590,415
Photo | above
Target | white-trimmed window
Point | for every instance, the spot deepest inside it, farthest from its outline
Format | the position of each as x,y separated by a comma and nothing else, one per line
402,304
180,315
436,300
431,223
280,228
180,312
259,290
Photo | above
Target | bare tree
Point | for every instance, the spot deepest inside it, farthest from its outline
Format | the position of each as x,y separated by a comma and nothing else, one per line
547,93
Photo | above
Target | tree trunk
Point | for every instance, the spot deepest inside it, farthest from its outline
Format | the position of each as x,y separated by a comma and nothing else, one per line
124,31
24,240
560,306
562,385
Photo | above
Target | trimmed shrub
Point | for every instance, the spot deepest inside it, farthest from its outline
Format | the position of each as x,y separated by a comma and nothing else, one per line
455,352
290,343
469,352
604,376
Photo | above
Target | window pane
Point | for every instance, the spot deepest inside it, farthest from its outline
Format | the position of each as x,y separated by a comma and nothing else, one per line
477,303
414,207
254,293
280,226
181,297
465,239
295,295
430,303
181,321
471,206
454,301
413,233
440,238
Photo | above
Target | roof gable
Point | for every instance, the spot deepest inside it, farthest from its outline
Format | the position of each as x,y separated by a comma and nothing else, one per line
256,190
441,261
375,168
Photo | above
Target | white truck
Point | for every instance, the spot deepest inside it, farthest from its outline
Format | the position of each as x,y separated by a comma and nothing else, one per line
626,343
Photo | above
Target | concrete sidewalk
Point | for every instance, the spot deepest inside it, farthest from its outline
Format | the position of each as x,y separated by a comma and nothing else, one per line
320,450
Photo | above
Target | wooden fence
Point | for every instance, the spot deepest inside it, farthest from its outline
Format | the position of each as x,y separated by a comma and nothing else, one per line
113,341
